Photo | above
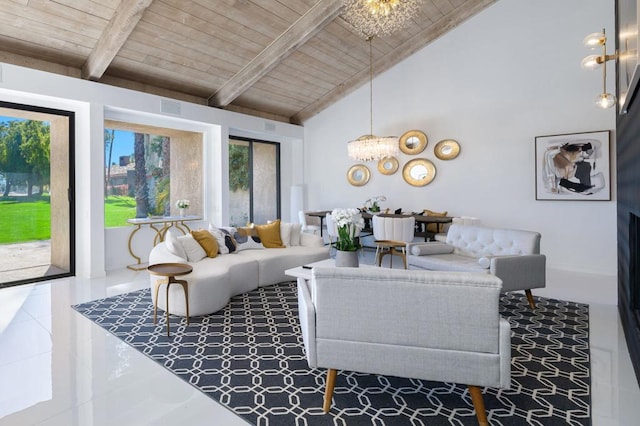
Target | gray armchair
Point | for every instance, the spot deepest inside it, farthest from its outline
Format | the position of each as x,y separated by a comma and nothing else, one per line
439,326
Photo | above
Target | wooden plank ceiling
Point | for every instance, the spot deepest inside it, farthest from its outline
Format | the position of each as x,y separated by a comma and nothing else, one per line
280,59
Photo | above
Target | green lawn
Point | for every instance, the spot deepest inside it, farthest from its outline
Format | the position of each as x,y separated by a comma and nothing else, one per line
117,209
23,219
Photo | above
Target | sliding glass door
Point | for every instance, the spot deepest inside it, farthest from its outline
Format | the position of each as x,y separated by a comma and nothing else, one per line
36,194
254,181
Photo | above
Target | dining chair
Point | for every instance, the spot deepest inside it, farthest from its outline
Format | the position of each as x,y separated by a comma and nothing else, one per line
391,235
306,227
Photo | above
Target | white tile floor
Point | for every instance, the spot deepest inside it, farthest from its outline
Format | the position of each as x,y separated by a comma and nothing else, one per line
58,368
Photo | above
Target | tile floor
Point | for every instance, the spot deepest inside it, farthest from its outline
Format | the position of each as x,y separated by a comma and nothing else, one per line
58,368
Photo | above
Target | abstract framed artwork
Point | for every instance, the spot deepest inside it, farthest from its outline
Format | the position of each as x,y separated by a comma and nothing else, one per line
628,56
573,167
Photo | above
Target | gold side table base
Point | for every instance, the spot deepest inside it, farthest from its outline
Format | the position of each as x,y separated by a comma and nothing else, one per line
170,271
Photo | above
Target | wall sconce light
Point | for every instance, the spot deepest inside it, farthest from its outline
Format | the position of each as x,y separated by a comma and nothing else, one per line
592,41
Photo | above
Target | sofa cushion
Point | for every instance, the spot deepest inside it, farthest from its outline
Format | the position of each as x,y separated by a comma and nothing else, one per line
434,227
219,236
207,241
192,248
173,245
229,242
431,248
290,234
270,234
247,243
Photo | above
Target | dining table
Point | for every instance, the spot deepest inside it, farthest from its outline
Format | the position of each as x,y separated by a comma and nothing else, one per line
421,221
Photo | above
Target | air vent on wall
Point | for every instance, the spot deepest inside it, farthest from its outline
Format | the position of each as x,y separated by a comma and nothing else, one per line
170,107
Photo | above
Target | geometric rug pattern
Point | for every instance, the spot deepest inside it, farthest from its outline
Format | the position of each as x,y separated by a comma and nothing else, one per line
250,357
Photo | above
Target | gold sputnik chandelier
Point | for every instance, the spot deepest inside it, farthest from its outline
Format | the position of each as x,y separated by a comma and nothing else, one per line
379,17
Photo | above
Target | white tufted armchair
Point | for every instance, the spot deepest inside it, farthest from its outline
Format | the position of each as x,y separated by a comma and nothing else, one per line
512,255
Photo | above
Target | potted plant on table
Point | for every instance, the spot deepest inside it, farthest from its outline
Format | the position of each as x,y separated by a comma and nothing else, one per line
349,223
182,206
372,205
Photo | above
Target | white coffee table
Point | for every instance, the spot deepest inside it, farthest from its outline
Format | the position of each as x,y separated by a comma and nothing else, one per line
305,273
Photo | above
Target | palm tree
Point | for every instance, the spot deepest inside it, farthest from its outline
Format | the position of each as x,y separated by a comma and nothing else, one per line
141,189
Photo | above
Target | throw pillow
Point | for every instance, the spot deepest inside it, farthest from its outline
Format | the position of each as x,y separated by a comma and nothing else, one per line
192,248
296,234
434,228
206,241
247,243
431,248
219,236
229,241
270,234
173,245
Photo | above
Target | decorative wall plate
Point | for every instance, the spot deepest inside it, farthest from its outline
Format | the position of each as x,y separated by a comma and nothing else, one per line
447,149
388,165
419,172
358,175
413,142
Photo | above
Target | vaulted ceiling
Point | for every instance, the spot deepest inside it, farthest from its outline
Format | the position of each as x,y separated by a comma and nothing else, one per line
281,59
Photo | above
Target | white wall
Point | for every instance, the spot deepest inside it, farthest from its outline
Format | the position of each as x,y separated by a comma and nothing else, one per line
97,249
494,83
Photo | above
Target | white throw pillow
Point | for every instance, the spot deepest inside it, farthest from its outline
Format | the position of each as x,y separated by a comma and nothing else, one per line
219,236
285,233
192,248
431,248
296,233
173,245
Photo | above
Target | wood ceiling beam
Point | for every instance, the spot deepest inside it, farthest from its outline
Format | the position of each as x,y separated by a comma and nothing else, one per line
124,21
407,49
308,25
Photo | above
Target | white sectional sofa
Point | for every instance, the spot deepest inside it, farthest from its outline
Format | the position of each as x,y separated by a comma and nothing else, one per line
214,281
512,255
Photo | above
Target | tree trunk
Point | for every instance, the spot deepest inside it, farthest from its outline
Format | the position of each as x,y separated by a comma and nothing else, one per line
110,137
142,192
166,170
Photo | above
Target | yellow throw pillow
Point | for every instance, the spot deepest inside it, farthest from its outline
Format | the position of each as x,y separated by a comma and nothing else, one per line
434,227
207,241
270,234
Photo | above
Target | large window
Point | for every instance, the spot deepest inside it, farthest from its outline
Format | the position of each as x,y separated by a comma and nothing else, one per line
254,181
137,176
148,169
36,194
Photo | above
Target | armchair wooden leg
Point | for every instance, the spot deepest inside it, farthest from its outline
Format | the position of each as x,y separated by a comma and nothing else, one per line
532,303
478,404
328,391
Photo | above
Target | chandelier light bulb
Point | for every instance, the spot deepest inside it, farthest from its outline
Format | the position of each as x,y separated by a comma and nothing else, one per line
594,40
591,62
605,100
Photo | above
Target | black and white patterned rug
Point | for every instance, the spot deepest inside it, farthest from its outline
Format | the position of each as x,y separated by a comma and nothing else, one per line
250,358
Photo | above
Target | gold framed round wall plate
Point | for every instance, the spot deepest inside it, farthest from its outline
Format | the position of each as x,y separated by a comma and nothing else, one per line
413,142
447,149
358,175
388,165
419,172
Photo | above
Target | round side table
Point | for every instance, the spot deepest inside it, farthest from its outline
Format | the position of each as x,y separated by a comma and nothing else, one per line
170,271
